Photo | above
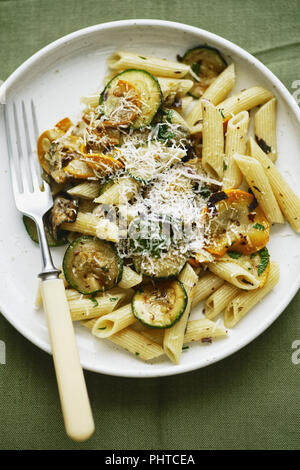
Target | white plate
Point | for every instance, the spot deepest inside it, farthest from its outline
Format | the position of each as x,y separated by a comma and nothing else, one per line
56,78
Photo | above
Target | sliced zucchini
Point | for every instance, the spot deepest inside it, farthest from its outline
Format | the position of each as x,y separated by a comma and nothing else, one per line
32,232
161,304
91,265
131,98
166,266
64,209
207,63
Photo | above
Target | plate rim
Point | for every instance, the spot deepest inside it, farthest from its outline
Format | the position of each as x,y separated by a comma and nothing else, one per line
280,87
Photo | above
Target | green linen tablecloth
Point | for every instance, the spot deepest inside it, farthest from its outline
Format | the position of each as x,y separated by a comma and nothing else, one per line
250,400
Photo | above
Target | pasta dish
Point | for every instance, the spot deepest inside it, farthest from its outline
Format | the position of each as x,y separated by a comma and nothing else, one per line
165,200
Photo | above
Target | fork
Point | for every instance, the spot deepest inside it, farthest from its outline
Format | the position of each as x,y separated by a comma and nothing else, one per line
33,197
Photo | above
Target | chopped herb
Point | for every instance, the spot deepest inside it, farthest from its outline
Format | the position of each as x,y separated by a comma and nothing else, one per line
184,348
259,226
196,68
263,145
104,269
224,166
264,260
137,353
169,115
113,299
234,254
103,328
268,167
141,57
253,255
95,302
221,112
164,133
204,191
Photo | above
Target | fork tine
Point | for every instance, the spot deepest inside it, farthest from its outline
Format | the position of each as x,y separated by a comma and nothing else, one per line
35,174
28,148
23,167
34,120
16,178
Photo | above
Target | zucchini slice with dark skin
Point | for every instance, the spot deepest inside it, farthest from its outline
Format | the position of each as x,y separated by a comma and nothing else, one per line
91,265
207,63
132,98
166,266
64,209
161,304
32,232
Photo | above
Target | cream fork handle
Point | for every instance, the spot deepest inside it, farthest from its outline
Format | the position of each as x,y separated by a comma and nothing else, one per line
74,399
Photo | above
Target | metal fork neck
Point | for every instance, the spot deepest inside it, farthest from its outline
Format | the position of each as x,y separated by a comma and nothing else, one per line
49,271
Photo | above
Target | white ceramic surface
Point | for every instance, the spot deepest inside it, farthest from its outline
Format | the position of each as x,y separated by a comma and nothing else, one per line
55,78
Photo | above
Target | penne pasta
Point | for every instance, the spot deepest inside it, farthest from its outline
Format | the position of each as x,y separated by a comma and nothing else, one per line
119,192
260,186
215,93
265,128
234,274
86,308
218,301
121,60
245,301
212,141
288,201
202,330
130,278
86,190
133,341
245,100
172,88
206,285
109,324
173,338
236,142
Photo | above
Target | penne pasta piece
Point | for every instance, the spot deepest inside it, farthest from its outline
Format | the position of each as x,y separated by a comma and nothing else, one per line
245,301
121,60
172,88
173,337
109,324
119,193
84,223
90,100
86,190
130,278
234,274
213,141
236,142
107,230
133,341
206,285
203,329
245,100
215,93
260,186
219,300
89,224
288,201
186,102
86,308
155,334
265,128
